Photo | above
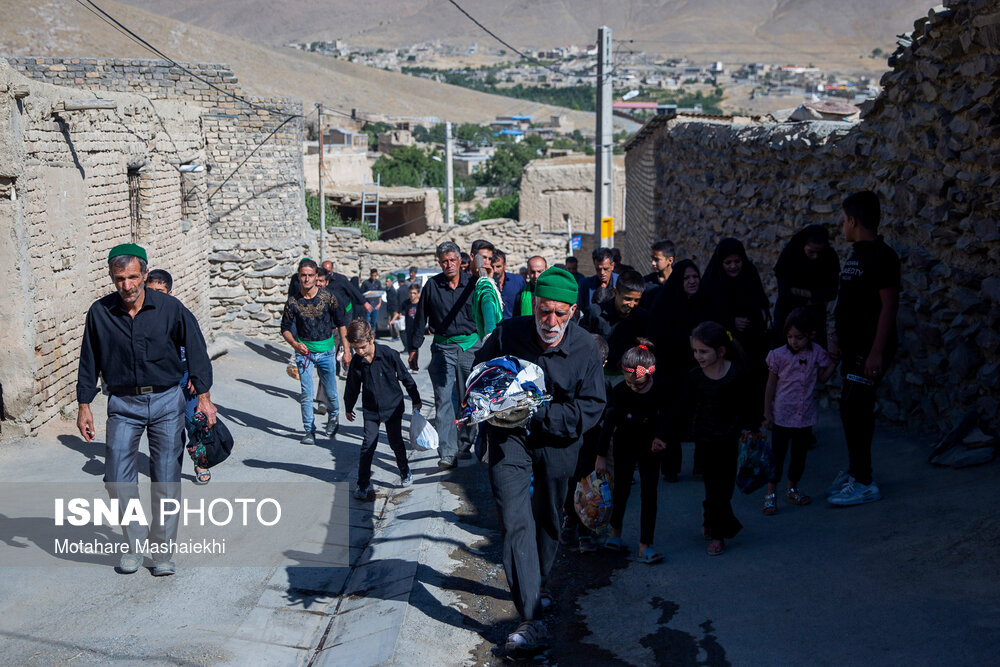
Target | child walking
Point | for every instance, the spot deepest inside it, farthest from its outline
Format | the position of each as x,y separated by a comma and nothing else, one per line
376,372
789,405
634,412
716,400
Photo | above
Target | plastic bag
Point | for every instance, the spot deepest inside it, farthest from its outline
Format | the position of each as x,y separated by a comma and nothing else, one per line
423,437
756,463
292,370
592,500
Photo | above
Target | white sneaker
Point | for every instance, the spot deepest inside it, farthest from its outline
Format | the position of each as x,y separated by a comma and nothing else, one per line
856,493
839,482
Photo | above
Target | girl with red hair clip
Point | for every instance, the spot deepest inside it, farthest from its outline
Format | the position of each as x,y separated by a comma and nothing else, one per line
635,411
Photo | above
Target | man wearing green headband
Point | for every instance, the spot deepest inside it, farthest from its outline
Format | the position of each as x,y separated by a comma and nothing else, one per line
132,340
545,448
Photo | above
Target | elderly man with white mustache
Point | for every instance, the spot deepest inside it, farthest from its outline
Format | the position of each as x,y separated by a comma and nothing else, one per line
546,447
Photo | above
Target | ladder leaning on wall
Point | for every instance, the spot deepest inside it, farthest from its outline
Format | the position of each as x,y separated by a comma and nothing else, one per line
369,202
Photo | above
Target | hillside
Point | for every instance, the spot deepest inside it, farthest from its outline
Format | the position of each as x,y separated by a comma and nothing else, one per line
65,28
826,33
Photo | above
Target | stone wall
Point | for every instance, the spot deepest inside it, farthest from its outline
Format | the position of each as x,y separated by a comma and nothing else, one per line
66,205
518,239
929,145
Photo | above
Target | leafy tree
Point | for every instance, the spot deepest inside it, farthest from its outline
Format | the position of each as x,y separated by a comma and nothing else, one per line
410,166
505,206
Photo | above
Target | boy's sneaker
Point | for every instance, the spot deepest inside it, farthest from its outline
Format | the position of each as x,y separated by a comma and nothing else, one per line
856,493
407,480
332,426
362,493
530,637
839,482
309,438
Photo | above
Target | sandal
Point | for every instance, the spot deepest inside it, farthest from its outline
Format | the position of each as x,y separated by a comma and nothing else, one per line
198,477
716,549
649,556
770,505
545,601
795,497
614,544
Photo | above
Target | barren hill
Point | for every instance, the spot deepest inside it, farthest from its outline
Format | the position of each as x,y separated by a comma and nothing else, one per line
65,28
823,31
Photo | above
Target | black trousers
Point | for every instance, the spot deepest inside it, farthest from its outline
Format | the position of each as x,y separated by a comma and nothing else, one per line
799,438
394,431
529,523
627,457
585,462
857,413
670,462
720,456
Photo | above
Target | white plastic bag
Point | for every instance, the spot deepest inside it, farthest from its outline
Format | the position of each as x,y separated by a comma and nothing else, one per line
423,437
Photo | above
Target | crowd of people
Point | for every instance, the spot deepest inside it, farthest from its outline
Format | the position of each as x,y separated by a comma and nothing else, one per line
634,365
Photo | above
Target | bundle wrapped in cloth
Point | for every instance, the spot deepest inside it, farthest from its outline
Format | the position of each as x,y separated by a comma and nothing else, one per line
504,391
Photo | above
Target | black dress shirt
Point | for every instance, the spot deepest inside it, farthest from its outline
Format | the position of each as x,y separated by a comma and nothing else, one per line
447,311
313,319
141,351
573,378
378,383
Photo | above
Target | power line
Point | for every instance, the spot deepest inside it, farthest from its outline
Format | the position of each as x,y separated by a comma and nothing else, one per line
523,55
108,18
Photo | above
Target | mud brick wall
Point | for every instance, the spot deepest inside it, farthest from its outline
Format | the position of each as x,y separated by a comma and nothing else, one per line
929,145
66,205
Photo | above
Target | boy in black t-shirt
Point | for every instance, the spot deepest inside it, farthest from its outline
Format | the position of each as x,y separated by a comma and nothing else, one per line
865,341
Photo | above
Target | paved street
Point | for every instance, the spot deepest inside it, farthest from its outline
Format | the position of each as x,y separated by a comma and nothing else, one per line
415,579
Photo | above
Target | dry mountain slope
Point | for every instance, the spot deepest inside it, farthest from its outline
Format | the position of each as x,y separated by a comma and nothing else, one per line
827,32
65,28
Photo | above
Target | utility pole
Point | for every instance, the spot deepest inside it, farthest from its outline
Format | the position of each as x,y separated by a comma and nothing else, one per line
449,176
322,202
604,234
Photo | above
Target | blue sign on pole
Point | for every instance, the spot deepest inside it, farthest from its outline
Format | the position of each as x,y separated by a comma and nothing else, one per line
576,243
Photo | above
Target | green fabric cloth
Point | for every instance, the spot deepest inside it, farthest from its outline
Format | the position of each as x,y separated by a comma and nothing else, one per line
321,345
128,249
464,341
487,311
348,307
524,305
557,284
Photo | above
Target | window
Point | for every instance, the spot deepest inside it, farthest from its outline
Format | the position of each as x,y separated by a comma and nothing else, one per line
134,209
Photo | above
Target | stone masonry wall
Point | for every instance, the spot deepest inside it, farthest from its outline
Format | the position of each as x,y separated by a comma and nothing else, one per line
67,205
929,145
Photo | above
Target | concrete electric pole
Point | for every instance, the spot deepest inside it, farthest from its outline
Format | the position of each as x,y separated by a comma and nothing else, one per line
449,178
322,203
604,233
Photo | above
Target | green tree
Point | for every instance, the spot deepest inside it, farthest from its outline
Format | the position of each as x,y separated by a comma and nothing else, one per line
410,166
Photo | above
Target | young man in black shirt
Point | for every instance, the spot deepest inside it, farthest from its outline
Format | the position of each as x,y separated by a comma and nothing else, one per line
619,321
661,260
865,341
317,318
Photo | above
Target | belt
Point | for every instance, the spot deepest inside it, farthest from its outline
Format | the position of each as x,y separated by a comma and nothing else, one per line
140,391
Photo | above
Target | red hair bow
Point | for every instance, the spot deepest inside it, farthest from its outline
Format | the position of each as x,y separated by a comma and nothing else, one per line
640,371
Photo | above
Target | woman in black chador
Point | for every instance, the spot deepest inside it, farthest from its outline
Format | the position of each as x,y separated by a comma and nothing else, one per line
808,273
737,301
